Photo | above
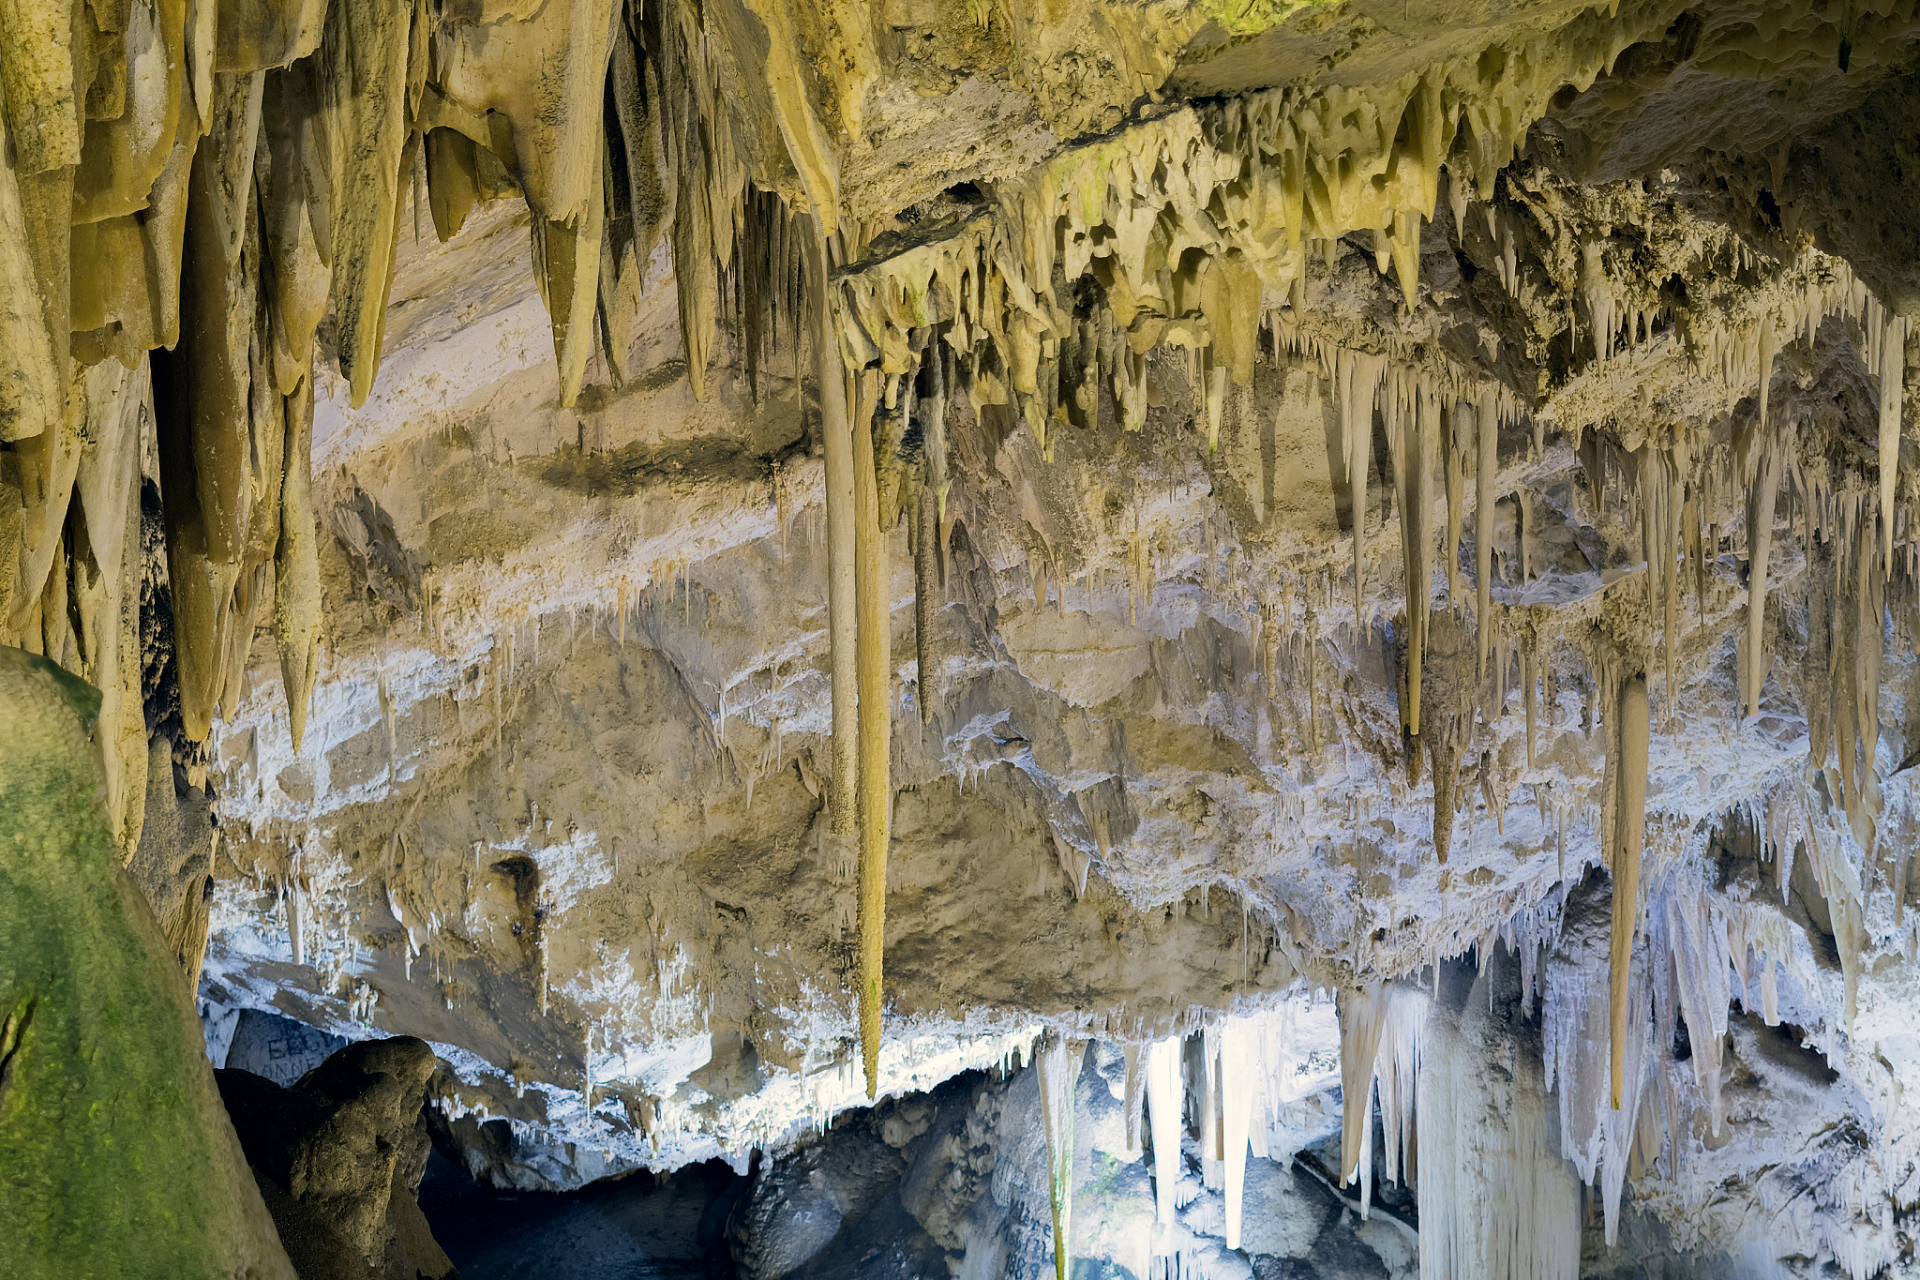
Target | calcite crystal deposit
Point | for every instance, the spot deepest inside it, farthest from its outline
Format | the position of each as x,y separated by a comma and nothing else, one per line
716,562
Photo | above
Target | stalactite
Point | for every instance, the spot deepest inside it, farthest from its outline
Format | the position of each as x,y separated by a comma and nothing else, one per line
1313,679
1237,1058
1862,788
1486,474
1419,437
934,446
1759,549
1357,378
875,724
838,427
295,180
364,107
31,398
1661,474
696,280
1166,1103
1059,1066
1134,1094
1459,430
1892,371
1528,683
1207,1112
296,600
1379,1041
566,262
926,526
1630,730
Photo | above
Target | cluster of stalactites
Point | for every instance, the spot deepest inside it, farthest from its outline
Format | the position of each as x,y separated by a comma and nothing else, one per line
1174,231
1177,232
1697,953
1402,1053
1782,471
1442,432
1244,1075
212,180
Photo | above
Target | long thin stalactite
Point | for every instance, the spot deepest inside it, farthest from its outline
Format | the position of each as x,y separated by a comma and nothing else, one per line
874,660
842,620
1630,734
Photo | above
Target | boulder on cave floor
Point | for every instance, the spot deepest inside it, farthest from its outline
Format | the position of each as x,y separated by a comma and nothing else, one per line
339,1156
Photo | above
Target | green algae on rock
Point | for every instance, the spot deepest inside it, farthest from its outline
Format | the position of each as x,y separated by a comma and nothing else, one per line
116,1157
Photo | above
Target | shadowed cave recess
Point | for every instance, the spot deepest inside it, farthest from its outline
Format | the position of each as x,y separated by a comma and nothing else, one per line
1134,639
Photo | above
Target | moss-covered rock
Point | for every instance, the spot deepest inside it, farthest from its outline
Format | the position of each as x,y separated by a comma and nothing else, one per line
116,1156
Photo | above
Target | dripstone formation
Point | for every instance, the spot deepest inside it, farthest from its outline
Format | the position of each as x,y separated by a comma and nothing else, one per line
1344,573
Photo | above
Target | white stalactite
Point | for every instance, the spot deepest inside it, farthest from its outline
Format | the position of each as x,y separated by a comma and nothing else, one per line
1236,1112
1166,1100
1497,1200
1379,1040
1059,1065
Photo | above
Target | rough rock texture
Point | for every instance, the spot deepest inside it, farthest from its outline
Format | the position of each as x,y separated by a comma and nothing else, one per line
878,535
116,1158
339,1156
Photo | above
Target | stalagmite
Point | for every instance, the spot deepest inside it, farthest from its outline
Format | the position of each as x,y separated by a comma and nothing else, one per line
1059,1065
873,607
1166,1101
1630,732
